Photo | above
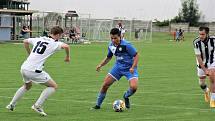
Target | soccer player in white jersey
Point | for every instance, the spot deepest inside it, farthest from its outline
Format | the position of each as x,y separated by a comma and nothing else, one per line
122,30
32,68
204,47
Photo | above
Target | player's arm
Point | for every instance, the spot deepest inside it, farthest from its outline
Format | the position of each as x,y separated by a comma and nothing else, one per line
136,58
27,47
103,63
67,50
105,60
199,59
133,52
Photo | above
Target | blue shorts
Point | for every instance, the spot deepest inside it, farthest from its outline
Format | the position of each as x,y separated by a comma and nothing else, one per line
117,73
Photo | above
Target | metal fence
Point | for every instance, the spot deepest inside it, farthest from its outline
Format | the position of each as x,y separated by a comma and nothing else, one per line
88,28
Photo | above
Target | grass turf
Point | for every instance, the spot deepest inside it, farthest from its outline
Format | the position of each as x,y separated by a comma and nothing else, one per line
168,86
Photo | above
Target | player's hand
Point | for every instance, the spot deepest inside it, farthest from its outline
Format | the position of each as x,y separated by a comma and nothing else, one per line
131,70
67,59
211,72
98,68
207,72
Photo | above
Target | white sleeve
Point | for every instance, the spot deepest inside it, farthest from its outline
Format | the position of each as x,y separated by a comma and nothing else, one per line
197,49
32,40
59,44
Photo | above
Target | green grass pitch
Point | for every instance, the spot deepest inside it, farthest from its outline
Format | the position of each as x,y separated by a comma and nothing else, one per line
168,86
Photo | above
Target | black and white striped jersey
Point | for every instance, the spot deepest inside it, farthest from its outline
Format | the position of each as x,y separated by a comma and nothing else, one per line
205,49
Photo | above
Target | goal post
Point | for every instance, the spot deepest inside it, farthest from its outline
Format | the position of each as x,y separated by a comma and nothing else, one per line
135,30
101,29
142,30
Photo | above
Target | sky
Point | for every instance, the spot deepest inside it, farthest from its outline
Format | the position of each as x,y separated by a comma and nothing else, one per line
108,9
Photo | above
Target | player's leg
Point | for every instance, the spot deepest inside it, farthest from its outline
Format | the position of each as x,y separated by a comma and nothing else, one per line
203,85
110,78
212,86
204,88
50,89
108,81
44,79
132,89
21,91
133,82
18,95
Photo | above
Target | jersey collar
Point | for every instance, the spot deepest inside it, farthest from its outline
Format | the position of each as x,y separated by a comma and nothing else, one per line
53,38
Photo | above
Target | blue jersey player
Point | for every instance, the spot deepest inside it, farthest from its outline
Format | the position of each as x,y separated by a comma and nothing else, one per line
125,65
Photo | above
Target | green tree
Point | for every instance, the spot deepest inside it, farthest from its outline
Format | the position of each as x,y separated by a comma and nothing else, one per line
162,23
189,13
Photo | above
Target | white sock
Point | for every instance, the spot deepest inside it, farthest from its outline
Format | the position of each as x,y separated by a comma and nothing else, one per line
207,90
212,96
44,95
18,95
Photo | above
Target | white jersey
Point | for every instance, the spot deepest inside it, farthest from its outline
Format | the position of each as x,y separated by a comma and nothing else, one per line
205,50
121,29
43,47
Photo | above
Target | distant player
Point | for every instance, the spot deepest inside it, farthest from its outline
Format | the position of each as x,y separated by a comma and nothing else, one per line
122,30
204,47
174,34
181,35
177,35
125,65
31,69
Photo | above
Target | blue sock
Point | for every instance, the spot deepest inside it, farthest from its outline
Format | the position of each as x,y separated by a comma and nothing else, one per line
100,98
128,93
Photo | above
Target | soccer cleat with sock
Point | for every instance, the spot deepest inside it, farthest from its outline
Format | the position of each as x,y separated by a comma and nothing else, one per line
127,102
39,110
207,96
212,104
96,107
10,107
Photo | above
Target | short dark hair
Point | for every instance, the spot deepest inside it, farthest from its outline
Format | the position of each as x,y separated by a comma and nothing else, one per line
115,31
204,28
56,30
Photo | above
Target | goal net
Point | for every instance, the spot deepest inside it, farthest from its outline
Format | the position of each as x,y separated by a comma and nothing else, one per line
142,30
135,30
101,29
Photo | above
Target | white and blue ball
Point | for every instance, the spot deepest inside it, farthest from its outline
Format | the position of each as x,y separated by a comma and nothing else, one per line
118,105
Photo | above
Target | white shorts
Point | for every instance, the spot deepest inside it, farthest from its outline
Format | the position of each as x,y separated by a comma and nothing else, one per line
201,73
29,76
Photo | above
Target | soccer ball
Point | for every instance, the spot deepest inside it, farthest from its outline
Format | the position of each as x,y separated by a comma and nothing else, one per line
118,105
